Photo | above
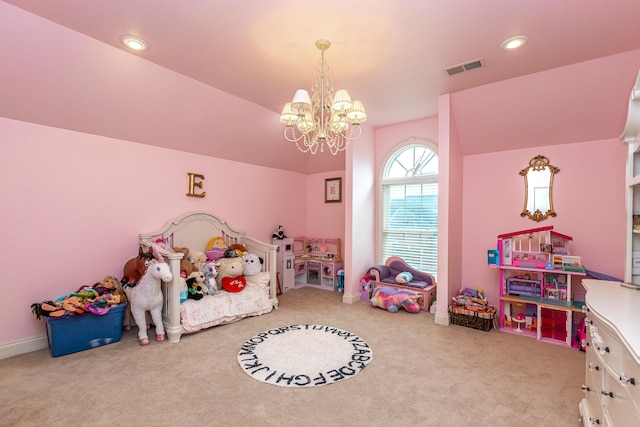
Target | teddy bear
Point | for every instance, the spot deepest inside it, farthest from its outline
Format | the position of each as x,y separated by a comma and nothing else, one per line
392,299
197,258
230,274
210,271
252,264
186,266
195,286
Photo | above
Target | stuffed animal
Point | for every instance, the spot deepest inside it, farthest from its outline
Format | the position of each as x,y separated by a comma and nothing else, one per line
216,242
404,278
235,250
252,264
184,290
194,288
279,234
186,266
210,271
216,248
136,267
228,269
197,258
234,284
240,248
199,276
164,244
392,299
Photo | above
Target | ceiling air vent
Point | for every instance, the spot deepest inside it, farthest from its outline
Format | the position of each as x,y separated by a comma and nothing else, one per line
468,66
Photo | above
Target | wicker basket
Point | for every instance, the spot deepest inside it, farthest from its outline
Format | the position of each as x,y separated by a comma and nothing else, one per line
471,320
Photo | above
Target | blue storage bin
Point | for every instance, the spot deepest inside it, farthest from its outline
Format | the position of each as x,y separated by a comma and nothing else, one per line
70,334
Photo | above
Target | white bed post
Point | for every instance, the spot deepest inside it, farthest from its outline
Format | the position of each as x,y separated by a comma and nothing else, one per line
174,328
273,285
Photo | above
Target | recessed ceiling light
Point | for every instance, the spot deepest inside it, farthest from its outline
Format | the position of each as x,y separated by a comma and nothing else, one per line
513,42
135,43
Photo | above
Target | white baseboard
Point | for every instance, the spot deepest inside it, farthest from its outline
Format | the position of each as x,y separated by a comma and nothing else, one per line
350,299
23,346
442,319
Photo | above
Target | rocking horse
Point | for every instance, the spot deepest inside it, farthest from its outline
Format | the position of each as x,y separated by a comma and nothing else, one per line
146,295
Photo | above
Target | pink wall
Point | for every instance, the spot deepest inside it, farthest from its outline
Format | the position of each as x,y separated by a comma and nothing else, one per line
450,201
324,219
588,195
73,204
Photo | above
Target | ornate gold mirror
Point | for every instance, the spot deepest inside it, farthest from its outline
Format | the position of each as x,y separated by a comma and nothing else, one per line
538,186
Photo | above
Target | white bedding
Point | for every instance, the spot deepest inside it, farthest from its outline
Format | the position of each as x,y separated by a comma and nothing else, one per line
225,307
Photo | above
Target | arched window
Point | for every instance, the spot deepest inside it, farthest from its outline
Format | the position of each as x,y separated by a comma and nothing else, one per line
409,205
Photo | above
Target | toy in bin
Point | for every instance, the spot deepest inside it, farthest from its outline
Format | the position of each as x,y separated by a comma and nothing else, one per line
71,334
87,318
470,309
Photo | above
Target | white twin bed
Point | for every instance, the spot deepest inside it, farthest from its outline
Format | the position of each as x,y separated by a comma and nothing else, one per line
194,230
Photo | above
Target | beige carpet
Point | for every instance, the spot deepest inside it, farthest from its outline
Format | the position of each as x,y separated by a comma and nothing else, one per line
422,375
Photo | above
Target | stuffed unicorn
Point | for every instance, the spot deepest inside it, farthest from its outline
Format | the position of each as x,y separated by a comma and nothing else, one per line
146,295
392,299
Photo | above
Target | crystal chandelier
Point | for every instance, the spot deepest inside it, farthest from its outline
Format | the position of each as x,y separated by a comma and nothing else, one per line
324,118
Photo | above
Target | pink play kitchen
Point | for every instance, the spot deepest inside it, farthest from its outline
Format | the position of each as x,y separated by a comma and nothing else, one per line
314,261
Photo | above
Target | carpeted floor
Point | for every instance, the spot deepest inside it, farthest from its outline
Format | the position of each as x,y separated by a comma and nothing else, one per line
422,375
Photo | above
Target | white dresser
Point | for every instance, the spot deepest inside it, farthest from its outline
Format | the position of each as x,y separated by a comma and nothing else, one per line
612,383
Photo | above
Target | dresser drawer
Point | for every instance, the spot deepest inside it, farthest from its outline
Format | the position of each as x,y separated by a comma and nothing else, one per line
591,413
619,405
594,371
630,378
607,345
613,343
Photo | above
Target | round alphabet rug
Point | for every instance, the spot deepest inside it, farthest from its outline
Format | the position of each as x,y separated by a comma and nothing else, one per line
304,356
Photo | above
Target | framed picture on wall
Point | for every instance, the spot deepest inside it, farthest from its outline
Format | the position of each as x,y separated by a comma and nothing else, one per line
333,190
507,257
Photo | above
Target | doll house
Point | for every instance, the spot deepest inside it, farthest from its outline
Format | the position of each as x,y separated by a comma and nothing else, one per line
537,296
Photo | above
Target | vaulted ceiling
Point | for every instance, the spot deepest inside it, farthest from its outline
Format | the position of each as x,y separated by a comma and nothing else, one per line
64,65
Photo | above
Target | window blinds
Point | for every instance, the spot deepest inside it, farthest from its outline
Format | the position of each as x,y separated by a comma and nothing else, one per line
410,224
